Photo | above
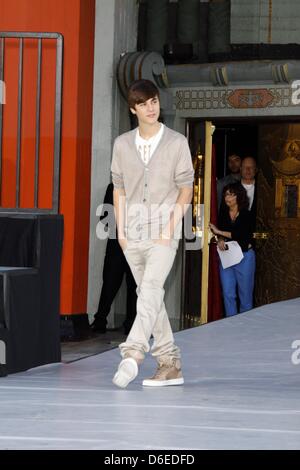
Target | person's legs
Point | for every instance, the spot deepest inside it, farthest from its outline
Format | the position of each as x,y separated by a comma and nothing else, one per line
158,265
245,274
229,283
131,300
113,272
150,264
163,344
166,353
132,357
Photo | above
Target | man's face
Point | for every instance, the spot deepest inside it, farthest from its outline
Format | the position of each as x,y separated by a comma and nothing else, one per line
234,164
248,170
147,112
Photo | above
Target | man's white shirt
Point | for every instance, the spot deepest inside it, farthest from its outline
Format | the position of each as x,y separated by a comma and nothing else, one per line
146,148
250,188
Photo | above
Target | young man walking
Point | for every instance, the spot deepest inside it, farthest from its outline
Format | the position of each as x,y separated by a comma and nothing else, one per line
152,173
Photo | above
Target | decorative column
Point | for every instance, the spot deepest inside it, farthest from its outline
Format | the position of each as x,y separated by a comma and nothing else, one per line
219,27
157,25
116,33
188,22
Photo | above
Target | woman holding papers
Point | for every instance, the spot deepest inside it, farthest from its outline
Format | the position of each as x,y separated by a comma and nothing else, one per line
237,257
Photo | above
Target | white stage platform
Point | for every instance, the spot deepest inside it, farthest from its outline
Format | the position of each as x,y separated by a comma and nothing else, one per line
241,392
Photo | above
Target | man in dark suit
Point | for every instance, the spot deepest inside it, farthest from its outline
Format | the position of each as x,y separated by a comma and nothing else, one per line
234,176
114,269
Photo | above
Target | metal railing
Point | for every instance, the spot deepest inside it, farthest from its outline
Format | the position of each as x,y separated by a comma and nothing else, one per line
38,37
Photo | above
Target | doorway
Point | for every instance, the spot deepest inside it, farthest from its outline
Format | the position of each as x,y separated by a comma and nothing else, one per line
276,147
234,138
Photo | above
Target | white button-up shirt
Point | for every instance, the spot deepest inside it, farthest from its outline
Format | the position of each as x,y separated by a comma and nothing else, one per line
146,148
250,188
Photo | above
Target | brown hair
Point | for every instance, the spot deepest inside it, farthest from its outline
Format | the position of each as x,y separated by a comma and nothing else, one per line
141,91
240,192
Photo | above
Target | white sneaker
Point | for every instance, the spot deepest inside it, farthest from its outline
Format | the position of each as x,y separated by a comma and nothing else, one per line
126,373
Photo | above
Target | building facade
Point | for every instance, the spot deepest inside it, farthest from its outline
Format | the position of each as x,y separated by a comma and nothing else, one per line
233,63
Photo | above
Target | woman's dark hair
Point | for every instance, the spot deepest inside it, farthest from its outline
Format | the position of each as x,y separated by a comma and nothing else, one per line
141,91
240,192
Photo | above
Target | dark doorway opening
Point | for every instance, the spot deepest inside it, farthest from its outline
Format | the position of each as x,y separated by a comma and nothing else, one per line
275,144
234,138
230,137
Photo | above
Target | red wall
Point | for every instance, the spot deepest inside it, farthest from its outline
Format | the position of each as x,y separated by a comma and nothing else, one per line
74,19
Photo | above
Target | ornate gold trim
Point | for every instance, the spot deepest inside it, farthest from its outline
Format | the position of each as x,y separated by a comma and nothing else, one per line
209,130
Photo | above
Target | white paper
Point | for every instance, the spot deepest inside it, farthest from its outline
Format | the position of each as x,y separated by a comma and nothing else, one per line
232,256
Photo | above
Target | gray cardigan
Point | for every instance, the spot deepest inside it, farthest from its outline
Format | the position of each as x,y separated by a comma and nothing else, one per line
151,190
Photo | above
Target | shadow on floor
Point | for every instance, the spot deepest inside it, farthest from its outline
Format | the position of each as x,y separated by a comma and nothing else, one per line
72,351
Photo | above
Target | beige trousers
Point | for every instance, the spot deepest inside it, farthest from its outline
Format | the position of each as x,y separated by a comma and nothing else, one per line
150,264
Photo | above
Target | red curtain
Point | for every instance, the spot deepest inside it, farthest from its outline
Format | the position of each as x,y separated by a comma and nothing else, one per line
215,303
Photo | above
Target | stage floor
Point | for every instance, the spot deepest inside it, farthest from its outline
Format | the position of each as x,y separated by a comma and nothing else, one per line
241,392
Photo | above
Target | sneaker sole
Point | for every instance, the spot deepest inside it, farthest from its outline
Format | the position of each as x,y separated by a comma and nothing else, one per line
126,373
162,383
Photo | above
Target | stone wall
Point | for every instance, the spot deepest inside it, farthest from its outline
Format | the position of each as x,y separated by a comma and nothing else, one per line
115,33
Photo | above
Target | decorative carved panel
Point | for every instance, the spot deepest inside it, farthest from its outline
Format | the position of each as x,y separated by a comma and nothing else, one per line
232,98
254,98
278,257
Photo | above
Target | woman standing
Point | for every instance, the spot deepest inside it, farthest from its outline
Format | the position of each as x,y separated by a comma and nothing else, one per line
235,224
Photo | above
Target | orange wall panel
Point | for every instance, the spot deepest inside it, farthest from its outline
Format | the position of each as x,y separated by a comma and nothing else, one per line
28,124
47,124
10,124
74,19
83,167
